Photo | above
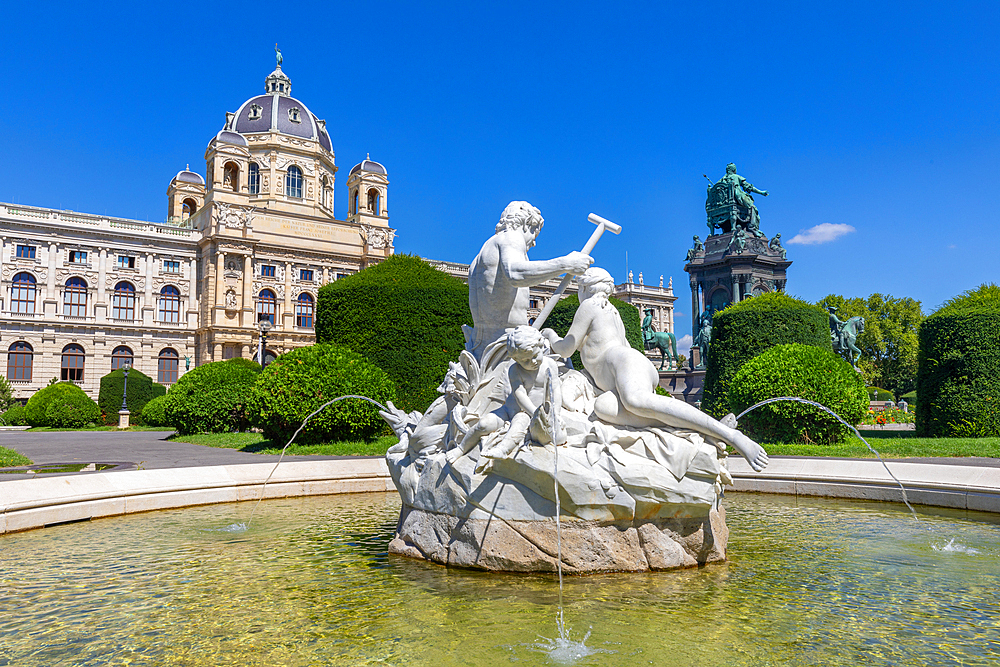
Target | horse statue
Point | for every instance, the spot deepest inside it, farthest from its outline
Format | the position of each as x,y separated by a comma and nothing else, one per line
844,341
665,341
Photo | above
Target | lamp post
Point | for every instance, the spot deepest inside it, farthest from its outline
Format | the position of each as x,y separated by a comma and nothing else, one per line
123,414
264,325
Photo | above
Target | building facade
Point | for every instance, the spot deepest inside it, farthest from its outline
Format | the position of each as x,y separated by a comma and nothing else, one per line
80,294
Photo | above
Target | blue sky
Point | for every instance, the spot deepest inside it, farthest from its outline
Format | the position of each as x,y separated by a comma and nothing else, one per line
877,116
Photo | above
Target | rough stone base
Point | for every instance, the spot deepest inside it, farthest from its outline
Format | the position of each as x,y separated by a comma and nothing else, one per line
530,546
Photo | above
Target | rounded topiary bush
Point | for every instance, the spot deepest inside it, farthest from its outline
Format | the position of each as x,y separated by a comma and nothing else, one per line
748,328
805,371
879,394
302,380
561,318
154,414
14,416
141,389
79,406
958,376
404,316
212,398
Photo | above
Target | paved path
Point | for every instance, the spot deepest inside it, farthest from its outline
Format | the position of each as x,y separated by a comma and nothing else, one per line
150,449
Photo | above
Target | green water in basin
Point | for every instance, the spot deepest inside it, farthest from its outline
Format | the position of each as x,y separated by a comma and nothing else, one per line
809,582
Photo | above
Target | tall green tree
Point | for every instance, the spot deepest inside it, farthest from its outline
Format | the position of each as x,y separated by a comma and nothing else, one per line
889,342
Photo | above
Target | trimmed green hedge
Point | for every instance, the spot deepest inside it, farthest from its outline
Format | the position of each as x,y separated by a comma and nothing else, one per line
806,371
153,413
958,377
880,394
302,380
15,416
750,327
561,318
212,398
404,316
62,405
141,389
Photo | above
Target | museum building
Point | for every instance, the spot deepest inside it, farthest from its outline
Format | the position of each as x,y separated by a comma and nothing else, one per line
81,294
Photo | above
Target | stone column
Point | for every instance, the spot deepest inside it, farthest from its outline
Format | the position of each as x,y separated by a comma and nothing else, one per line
51,292
289,314
220,286
736,289
248,290
192,289
695,311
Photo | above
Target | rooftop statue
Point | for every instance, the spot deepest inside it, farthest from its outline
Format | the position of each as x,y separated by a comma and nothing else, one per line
730,203
775,245
698,248
277,55
638,476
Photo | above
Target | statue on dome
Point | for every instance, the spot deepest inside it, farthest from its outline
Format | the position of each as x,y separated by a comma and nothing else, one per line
277,55
730,203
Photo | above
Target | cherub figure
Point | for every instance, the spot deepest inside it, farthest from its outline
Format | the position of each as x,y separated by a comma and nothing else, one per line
627,378
527,375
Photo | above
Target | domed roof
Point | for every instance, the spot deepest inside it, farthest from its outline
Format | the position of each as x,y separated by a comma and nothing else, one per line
368,165
186,176
227,137
278,111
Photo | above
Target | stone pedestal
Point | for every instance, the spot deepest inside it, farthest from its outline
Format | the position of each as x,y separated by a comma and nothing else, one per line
684,384
123,417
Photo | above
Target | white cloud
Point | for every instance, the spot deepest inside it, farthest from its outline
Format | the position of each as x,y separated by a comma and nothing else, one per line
821,233
684,345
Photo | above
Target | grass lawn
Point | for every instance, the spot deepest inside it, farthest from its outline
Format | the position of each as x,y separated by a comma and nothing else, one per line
37,429
894,445
890,444
256,444
10,458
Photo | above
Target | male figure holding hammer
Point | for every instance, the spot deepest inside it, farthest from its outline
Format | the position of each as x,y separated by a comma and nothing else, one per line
501,275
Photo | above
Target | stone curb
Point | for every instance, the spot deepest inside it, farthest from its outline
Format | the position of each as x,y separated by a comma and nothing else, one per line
40,502
937,484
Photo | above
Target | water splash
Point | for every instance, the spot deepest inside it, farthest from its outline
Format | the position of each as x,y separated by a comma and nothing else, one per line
564,650
850,426
231,528
957,548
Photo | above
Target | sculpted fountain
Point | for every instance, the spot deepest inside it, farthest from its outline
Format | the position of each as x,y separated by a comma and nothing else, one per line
638,475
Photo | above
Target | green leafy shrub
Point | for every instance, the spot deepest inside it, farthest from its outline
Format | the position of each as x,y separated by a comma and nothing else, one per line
73,410
6,394
141,389
958,377
154,413
910,398
561,318
302,380
37,409
212,398
806,371
404,316
15,416
748,328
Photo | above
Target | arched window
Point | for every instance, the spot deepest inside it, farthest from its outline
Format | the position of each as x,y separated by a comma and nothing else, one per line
123,302
75,298
304,311
293,182
190,206
354,203
253,178
170,304
72,363
373,202
231,177
327,193
267,306
166,366
119,356
19,356
22,293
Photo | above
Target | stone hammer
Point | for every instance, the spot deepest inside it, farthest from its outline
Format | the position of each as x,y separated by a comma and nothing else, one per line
602,224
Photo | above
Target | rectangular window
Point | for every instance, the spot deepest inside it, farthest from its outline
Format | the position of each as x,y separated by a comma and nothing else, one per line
126,262
77,257
267,270
342,275
229,351
306,274
171,266
26,251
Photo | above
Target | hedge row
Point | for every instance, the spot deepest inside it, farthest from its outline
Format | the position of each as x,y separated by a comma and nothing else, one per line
958,381
750,327
404,316
141,390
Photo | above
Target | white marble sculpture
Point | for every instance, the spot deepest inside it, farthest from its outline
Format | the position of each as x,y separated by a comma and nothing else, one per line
639,475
